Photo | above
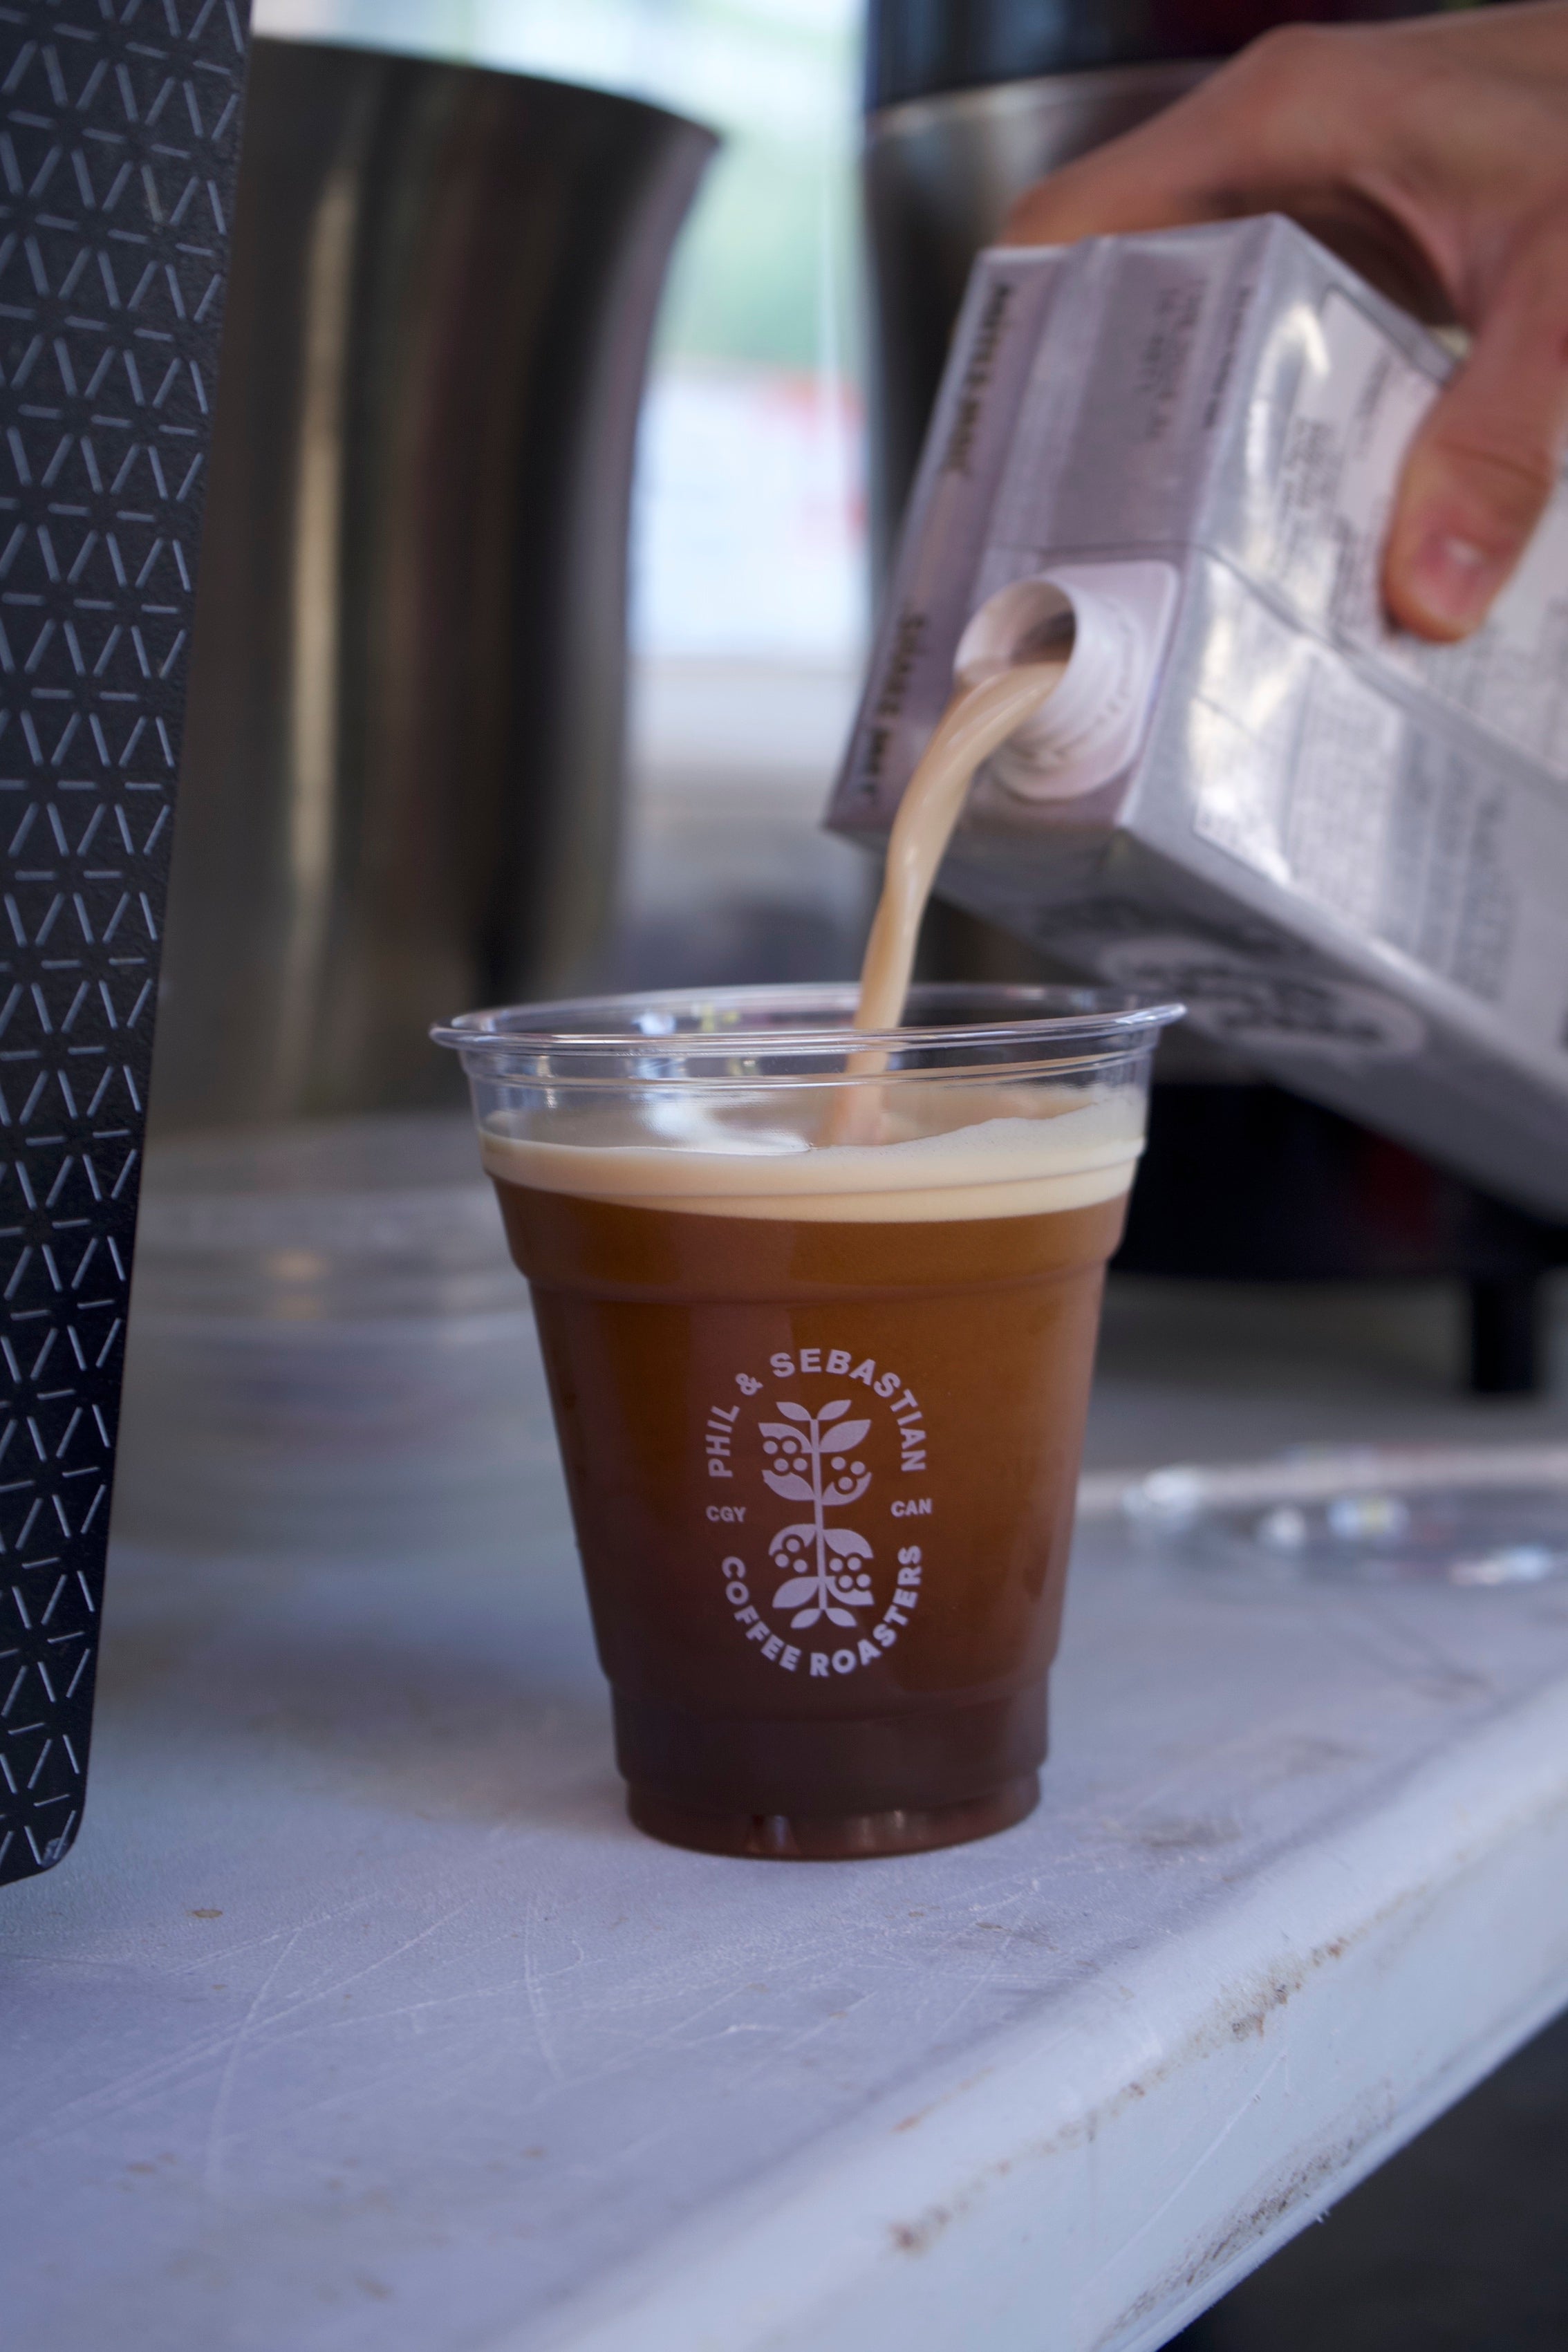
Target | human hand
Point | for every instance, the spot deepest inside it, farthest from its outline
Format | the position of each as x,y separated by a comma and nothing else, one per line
1432,153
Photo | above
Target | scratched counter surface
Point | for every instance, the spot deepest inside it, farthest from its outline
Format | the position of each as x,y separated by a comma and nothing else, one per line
359,2018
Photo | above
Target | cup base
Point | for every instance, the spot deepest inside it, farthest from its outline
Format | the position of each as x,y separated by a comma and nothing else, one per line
833,1837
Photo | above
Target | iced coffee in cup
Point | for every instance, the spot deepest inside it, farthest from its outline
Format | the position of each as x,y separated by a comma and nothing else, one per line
820,1402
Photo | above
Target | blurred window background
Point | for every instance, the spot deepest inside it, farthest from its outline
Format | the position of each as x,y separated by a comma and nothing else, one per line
749,558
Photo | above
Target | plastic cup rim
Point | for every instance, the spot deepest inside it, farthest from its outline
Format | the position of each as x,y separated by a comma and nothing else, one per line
1121,1019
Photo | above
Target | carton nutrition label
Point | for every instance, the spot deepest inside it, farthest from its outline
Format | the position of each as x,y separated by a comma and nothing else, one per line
1326,787
1357,408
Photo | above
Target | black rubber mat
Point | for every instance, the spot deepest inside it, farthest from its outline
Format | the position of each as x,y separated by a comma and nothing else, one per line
119,136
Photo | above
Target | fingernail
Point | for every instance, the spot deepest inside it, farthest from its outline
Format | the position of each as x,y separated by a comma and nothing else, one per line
1452,581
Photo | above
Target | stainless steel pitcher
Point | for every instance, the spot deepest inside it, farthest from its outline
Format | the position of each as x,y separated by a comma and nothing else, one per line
403,748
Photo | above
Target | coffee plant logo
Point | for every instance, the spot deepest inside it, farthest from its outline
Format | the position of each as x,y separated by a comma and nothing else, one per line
817,1581
812,1463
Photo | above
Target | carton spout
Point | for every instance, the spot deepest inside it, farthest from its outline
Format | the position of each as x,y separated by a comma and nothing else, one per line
1111,620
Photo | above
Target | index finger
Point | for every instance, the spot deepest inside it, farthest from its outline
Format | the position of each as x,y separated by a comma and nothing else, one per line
1272,130
1140,180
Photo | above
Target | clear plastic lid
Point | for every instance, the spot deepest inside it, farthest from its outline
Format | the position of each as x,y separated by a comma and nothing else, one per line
334,1219
1476,1518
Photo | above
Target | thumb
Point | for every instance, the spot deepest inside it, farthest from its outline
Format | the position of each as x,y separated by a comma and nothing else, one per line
1485,461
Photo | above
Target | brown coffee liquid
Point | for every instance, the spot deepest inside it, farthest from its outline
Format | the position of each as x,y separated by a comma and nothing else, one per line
822,1476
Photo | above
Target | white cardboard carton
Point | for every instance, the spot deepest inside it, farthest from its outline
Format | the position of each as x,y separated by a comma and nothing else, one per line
1346,850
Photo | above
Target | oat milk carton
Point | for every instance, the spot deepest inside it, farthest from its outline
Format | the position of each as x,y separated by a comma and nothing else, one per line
1346,850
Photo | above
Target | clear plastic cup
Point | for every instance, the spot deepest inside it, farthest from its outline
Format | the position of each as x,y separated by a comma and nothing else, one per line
820,1403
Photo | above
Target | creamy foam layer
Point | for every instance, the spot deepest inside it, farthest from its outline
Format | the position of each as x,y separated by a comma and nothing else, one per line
1016,1152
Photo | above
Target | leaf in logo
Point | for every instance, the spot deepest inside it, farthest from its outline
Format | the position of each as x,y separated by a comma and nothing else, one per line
799,1588
800,1446
845,1544
786,1483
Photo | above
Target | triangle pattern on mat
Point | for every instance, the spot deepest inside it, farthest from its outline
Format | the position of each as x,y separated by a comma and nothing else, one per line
119,136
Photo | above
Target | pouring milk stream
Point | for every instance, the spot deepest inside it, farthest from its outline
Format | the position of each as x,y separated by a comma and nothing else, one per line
983,712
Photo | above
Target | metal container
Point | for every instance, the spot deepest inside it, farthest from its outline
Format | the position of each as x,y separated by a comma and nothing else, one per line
402,764
1345,850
